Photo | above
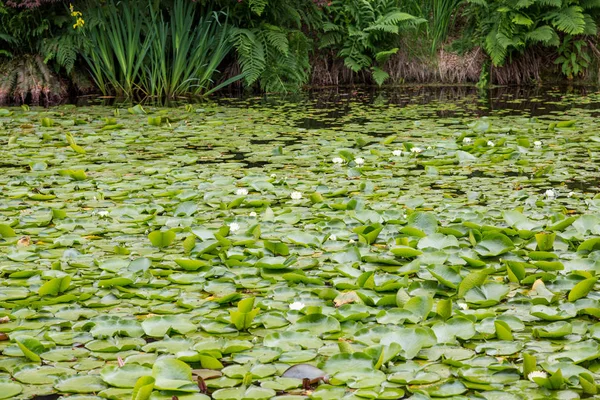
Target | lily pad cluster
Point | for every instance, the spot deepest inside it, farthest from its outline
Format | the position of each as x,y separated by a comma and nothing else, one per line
227,252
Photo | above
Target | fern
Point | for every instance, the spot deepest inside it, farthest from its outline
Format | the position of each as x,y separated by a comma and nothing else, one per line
549,3
494,48
379,75
569,20
277,38
258,6
589,4
590,25
544,34
365,32
383,56
62,49
251,54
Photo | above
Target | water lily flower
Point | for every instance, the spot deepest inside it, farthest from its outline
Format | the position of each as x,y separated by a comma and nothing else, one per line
570,194
359,161
416,150
337,160
467,140
429,147
253,214
463,306
550,193
296,195
537,374
103,213
537,144
234,227
397,153
241,192
351,241
332,237
273,176
297,305
490,143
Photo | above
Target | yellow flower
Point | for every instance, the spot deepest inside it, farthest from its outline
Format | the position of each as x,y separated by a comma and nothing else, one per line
79,23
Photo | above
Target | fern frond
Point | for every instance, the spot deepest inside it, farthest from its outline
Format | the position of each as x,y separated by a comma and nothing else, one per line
522,19
590,25
569,20
544,34
494,48
251,54
258,6
330,39
383,56
520,4
589,4
549,3
277,38
394,18
379,75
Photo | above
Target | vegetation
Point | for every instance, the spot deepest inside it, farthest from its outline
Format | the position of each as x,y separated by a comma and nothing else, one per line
440,250
140,48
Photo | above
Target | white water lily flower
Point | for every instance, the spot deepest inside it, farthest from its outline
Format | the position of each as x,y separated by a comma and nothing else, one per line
241,192
296,195
416,149
429,147
490,143
253,214
103,213
234,227
297,305
397,153
359,161
463,306
351,241
570,194
273,176
332,237
537,144
537,374
467,140
550,193
337,160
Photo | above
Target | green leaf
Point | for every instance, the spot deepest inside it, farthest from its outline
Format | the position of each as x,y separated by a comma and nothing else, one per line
172,374
55,286
470,281
161,325
545,241
31,347
9,389
494,244
143,388
503,331
125,376
581,289
6,231
420,306
162,238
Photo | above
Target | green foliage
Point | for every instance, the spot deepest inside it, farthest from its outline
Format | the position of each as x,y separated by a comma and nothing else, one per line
365,33
146,50
245,314
272,48
573,57
507,26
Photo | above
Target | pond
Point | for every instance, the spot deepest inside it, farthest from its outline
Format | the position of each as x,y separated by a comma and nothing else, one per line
416,244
